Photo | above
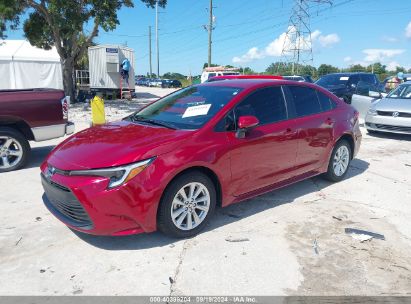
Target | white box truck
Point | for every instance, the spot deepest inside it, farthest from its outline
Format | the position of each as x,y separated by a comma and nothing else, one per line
104,67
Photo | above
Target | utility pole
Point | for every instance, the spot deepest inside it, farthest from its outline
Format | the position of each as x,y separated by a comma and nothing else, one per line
297,47
209,28
149,50
157,44
210,32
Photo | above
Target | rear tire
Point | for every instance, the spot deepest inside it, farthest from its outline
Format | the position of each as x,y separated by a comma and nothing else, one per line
14,149
339,161
188,201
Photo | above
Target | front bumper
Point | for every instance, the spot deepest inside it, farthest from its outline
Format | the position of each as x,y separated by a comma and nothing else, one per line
400,125
84,203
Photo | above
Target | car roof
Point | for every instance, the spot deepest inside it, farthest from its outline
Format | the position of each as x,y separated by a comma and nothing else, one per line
251,83
231,77
347,74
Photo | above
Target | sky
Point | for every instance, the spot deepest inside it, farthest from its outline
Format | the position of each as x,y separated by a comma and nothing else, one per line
252,33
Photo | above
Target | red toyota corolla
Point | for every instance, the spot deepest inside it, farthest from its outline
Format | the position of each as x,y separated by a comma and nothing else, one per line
167,166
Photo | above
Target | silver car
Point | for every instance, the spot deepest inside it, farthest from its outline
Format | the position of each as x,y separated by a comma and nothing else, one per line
392,113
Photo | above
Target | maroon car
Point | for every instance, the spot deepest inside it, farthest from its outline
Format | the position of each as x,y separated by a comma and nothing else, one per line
36,114
168,165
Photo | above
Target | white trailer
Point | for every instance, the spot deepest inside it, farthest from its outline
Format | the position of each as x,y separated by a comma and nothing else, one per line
104,67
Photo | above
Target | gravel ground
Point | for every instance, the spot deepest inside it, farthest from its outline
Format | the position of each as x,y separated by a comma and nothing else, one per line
288,242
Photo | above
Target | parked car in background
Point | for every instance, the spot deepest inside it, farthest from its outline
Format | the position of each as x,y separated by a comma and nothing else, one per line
218,71
306,78
25,115
343,85
365,94
168,165
231,77
155,82
168,83
141,81
392,113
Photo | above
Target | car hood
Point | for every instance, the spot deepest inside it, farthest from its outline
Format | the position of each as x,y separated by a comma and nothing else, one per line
114,144
394,105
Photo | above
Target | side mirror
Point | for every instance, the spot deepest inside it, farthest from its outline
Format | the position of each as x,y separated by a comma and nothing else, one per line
374,94
244,124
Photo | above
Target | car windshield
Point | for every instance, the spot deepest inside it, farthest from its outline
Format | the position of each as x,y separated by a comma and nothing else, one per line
332,80
402,91
189,108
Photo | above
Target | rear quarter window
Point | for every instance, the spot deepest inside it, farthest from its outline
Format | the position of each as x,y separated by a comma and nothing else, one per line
326,102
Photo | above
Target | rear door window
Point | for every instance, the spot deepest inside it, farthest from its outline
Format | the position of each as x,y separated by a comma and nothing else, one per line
369,78
305,100
266,104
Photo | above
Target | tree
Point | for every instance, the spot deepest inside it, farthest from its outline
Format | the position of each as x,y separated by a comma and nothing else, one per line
63,23
326,69
248,71
177,76
205,65
377,68
357,68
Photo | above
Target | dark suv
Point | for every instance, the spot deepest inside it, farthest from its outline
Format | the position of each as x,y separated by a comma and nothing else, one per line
344,85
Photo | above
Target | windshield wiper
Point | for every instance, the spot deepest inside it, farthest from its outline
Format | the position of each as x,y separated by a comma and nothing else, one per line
153,122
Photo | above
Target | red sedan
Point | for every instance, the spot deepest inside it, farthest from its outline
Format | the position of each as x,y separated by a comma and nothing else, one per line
168,165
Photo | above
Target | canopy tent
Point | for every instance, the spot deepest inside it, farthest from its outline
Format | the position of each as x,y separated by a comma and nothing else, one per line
23,66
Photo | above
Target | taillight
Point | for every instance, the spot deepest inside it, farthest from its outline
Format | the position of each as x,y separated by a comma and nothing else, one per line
65,107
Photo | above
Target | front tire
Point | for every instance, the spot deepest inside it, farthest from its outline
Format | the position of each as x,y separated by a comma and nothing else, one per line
187,205
339,161
14,149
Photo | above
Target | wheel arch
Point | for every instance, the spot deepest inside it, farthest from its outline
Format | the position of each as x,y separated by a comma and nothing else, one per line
17,124
206,171
350,139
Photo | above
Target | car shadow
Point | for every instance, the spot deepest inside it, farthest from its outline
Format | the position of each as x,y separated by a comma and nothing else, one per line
37,156
395,136
223,216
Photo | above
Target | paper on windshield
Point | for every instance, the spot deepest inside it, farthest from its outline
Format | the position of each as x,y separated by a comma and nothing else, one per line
197,110
344,78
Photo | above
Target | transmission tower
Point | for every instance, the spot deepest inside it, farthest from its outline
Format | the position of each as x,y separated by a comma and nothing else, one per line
297,47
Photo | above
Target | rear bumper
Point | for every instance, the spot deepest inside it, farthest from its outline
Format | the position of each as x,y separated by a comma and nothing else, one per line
53,131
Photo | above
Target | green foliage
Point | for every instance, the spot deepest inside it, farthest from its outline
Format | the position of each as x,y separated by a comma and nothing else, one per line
248,71
177,76
326,69
378,68
151,3
356,68
286,69
213,65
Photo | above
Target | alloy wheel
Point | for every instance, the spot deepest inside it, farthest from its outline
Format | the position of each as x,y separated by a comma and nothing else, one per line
341,160
190,206
11,152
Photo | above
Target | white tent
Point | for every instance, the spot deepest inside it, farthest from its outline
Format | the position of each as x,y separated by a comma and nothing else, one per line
23,66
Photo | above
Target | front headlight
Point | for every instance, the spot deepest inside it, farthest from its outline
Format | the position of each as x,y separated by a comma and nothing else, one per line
372,112
117,175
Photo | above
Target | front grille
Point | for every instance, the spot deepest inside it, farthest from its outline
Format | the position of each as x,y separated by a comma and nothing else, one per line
389,113
64,205
393,128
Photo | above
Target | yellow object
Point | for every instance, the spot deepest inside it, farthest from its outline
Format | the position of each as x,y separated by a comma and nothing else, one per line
98,115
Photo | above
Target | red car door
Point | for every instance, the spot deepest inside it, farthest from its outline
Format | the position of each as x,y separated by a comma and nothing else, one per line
267,153
314,117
